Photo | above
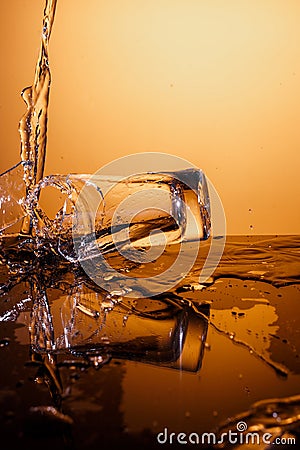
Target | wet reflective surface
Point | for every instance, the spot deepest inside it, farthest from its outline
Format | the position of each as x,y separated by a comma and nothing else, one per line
81,369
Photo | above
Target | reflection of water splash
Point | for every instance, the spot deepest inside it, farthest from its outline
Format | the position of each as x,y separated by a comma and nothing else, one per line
41,327
280,417
33,125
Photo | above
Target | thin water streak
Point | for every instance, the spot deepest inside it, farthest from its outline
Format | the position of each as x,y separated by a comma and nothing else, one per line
33,124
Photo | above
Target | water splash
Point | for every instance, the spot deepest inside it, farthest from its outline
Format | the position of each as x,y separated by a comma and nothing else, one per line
33,125
279,417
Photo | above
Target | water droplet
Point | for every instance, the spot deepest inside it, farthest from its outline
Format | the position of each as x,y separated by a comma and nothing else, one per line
98,361
116,296
111,300
232,335
4,342
107,304
207,346
108,277
105,340
39,380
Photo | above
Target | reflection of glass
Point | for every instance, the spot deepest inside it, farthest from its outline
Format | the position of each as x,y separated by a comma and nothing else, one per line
161,331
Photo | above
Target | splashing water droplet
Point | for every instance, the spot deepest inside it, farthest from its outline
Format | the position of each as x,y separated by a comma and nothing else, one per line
111,300
4,342
98,361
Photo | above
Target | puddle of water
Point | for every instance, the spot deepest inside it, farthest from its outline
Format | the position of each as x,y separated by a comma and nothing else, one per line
242,337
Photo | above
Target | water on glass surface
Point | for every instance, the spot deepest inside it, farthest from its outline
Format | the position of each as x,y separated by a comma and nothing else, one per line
200,357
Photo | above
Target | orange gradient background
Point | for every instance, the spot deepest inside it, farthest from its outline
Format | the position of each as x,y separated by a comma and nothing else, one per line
215,82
